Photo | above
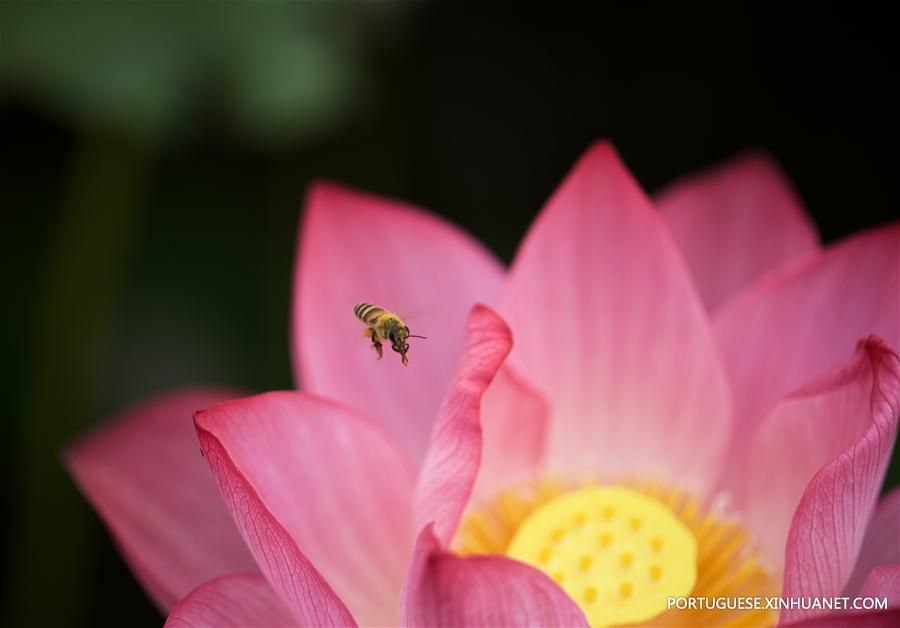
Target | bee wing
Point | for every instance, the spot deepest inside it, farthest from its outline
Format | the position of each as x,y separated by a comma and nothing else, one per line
417,316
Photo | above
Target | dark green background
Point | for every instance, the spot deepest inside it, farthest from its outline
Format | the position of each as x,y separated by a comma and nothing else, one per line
155,157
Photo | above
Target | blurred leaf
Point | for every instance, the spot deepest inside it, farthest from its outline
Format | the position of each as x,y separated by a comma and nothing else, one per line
274,70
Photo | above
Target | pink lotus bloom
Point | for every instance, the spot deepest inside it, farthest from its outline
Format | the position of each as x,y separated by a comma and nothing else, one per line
699,401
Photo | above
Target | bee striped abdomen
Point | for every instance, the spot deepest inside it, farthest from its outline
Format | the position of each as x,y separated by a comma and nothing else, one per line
368,313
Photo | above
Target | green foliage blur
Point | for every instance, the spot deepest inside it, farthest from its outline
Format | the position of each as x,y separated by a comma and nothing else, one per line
155,157
281,71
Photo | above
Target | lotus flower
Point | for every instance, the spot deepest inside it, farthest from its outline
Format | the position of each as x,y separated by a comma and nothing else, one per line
687,399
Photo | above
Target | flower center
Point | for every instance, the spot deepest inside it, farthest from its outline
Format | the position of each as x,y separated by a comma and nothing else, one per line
617,553
620,551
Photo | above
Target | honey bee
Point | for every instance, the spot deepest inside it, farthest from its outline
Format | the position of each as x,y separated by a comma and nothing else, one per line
383,326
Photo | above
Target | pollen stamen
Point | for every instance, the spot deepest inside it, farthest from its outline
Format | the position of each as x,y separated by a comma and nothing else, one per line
727,562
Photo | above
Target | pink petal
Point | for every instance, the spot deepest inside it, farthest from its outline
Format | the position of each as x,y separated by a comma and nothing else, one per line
514,421
883,582
850,418
807,431
881,545
446,590
144,474
608,325
308,478
290,573
735,223
358,248
799,322
235,600
880,619
451,465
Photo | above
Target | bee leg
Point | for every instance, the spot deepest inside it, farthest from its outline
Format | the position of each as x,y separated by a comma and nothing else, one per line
370,333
